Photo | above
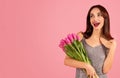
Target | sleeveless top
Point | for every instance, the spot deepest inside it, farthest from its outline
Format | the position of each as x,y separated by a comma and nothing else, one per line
97,57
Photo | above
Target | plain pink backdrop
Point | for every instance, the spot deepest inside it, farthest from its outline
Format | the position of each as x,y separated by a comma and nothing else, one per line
30,31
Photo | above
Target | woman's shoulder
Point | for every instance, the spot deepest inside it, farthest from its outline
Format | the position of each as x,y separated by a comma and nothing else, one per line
80,34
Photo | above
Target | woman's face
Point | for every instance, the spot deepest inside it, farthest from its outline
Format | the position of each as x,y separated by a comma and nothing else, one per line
96,18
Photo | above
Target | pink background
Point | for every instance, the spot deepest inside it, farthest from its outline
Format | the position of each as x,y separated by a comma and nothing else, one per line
30,31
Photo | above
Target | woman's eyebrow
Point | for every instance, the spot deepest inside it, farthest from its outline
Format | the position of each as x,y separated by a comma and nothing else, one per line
91,14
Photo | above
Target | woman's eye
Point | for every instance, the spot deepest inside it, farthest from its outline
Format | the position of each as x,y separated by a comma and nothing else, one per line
91,15
99,14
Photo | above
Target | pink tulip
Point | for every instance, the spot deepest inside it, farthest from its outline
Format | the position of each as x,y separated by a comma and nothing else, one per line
67,41
74,36
62,44
69,36
78,38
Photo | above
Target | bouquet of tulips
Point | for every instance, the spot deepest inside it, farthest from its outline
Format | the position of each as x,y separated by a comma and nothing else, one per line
73,47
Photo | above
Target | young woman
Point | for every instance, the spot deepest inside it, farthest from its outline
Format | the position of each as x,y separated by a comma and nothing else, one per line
99,44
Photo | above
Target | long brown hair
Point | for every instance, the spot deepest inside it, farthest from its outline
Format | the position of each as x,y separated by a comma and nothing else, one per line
106,26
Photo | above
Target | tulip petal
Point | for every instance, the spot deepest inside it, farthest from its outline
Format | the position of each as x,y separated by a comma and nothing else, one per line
70,37
62,43
67,41
74,36
78,38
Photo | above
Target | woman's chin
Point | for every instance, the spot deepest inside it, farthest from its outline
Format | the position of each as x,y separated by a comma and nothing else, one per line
97,28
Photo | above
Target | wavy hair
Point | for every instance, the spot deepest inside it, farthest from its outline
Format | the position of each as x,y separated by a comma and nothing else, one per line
106,26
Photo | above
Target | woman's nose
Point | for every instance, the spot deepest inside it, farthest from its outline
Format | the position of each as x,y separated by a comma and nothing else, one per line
95,18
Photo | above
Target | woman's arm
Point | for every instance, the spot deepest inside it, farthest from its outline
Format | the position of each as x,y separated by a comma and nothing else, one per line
109,60
90,71
73,63
78,64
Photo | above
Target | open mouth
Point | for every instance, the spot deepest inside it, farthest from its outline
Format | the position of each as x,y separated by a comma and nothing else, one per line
96,24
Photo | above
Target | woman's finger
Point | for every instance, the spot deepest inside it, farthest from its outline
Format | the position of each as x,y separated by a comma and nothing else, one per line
96,76
90,76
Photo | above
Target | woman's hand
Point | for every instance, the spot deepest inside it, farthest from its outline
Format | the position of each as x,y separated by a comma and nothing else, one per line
90,71
108,43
